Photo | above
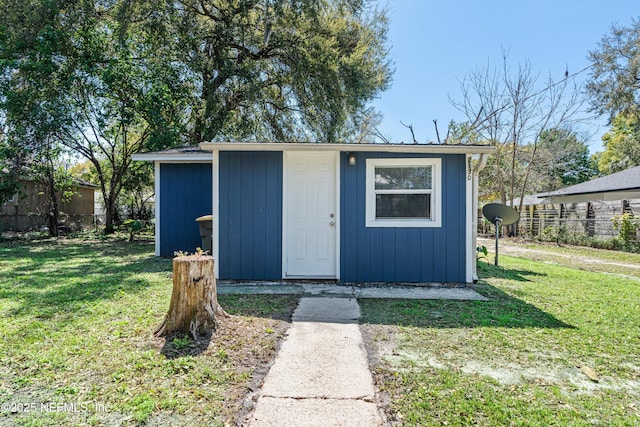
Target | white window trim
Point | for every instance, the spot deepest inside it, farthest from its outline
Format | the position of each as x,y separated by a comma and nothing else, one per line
436,199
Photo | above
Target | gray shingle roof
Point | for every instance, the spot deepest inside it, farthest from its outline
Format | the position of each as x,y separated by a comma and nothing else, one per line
621,181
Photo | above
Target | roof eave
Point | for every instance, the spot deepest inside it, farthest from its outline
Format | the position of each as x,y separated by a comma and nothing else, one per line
395,148
172,157
596,196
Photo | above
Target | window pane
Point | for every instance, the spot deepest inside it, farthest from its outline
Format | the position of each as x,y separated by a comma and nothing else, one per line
388,178
416,178
403,178
403,206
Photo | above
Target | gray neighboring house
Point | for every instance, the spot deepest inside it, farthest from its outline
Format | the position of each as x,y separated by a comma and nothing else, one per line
583,208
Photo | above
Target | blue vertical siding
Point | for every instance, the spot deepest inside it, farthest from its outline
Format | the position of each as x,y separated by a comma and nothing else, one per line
185,194
250,215
385,254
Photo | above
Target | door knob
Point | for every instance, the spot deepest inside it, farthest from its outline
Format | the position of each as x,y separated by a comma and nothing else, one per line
332,223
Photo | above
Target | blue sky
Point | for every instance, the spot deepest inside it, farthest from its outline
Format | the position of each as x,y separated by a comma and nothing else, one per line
434,44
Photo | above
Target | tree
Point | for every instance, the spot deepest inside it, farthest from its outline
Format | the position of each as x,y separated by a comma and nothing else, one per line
116,78
621,144
508,109
614,89
57,183
563,160
101,85
614,86
128,98
24,112
30,83
292,70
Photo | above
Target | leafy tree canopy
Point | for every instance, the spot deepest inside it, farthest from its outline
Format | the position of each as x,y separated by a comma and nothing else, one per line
561,159
279,70
621,144
107,79
564,160
615,91
251,69
79,75
615,85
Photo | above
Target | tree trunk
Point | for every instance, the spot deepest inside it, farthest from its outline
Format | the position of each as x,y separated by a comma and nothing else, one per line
108,229
194,307
109,217
53,212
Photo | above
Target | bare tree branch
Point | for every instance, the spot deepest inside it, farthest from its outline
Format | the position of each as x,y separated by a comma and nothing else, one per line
505,108
410,127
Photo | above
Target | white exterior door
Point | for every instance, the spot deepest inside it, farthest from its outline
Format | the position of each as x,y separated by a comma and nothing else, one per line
310,215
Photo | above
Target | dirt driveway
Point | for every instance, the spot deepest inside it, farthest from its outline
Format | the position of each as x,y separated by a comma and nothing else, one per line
583,258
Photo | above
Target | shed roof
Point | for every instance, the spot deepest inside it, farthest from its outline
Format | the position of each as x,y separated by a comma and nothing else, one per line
203,152
323,146
617,186
184,154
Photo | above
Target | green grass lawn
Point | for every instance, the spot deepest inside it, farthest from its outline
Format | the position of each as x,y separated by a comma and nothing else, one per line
521,359
76,343
76,323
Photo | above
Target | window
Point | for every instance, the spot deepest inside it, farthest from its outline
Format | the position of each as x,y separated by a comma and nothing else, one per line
403,193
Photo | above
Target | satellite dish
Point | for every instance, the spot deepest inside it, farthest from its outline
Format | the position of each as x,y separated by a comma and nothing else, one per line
500,215
505,214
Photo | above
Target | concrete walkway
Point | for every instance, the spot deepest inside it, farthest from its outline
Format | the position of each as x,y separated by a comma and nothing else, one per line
321,374
351,291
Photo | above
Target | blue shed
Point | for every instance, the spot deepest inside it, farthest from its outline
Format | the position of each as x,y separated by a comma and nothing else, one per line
346,212
183,182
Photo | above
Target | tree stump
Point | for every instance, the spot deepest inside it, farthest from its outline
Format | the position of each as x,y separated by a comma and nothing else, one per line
194,307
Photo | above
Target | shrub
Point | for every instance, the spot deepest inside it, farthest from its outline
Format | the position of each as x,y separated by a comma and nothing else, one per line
627,227
617,243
